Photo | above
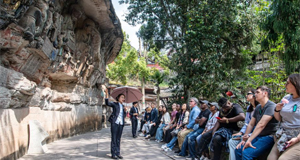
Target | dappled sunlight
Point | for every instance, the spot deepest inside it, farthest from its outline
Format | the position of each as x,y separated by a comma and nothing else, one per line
96,145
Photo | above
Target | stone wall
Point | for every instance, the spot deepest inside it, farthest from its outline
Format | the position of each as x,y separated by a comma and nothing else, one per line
53,55
14,128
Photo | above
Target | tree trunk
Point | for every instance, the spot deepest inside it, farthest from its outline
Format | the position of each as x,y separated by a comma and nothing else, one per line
158,95
142,79
143,91
188,96
263,66
140,47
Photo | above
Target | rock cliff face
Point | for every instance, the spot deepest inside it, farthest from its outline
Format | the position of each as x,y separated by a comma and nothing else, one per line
53,55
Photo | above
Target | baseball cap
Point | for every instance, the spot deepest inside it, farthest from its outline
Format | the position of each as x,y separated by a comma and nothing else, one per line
204,101
222,101
214,104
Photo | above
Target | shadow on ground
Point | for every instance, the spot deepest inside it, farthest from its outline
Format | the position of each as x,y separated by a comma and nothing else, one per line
96,145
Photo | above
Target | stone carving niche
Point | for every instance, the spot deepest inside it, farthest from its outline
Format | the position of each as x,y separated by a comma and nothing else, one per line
61,47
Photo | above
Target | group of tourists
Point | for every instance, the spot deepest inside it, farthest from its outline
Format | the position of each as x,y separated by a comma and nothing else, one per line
206,130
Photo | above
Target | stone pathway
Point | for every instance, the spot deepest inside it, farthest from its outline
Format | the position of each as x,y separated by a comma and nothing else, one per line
96,145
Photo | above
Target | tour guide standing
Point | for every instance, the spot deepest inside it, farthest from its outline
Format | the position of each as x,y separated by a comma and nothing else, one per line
117,120
134,112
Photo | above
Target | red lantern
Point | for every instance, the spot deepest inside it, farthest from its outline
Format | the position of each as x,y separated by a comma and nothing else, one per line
229,93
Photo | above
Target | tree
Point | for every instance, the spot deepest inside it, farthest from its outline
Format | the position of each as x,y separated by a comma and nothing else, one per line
150,53
274,78
127,64
284,22
203,34
216,49
131,64
158,78
164,21
271,75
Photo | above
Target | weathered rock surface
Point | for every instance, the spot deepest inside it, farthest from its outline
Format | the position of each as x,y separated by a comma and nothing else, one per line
15,89
53,56
48,45
5,97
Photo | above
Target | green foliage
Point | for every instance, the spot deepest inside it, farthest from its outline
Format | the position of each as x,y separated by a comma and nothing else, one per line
158,77
127,64
164,21
213,43
274,77
218,39
284,22
158,58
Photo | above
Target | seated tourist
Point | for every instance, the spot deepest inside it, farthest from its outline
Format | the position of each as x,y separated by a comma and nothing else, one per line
227,122
142,121
173,116
236,138
165,120
214,109
145,128
153,118
198,128
182,121
155,125
261,139
172,125
189,127
287,112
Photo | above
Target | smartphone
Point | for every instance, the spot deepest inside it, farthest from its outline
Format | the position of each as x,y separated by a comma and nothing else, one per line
218,118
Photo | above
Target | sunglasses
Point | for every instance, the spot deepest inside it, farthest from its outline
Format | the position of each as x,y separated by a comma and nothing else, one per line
249,93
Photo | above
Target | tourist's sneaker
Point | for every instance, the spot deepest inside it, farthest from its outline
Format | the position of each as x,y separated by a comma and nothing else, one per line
141,134
164,146
179,155
202,157
148,136
168,149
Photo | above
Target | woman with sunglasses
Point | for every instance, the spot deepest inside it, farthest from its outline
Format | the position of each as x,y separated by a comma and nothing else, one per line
287,112
236,138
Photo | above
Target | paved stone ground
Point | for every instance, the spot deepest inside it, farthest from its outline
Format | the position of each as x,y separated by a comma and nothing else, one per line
96,145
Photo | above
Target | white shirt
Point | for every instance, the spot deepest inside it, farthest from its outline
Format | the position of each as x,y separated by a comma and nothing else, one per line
120,117
212,121
166,118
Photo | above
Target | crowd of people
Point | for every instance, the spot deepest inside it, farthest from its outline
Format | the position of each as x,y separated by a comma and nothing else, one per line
205,130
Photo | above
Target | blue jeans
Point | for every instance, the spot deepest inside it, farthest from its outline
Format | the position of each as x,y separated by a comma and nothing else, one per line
198,147
192,141
263,144
160,132
232,145
192,135
172,143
